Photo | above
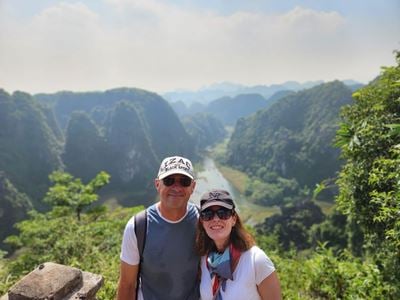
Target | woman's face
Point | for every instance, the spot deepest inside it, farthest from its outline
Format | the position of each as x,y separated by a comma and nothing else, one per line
219,226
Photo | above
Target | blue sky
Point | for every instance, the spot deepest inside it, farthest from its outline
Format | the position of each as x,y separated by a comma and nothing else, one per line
47,45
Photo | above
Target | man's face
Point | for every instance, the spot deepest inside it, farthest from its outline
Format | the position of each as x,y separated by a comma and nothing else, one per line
173,192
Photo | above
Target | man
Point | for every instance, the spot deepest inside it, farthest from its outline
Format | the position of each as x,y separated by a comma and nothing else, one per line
169,270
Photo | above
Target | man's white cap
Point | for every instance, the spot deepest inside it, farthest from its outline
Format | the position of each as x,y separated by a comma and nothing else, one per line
175,165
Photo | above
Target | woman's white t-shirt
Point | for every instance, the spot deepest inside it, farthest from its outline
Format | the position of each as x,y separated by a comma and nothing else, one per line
253,267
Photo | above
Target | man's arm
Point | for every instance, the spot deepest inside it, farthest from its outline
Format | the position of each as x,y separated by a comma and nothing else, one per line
127,282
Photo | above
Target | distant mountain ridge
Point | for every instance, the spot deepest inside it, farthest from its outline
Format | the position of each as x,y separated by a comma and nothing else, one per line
158,114
228,102
219,90
228,109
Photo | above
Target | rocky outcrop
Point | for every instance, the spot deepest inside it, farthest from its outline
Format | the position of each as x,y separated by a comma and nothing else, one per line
52,281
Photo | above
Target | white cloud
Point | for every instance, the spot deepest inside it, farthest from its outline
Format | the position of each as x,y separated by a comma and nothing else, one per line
148,44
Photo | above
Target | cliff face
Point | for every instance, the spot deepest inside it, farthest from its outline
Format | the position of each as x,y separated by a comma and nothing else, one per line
29,150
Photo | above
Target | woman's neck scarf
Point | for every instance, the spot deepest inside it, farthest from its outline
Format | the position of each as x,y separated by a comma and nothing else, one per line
221,267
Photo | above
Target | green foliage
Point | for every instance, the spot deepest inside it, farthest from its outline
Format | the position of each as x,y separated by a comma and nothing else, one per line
344,277
331,232
13,207
325,275
276,191
370,180
91,244
72,193
292,226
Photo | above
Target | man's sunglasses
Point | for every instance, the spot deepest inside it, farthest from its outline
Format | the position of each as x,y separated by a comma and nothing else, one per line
184,181
222,213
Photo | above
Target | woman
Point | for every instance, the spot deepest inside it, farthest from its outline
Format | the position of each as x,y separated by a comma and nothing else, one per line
232,267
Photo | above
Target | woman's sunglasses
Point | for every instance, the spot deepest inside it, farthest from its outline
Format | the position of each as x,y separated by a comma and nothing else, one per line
184,181
222,213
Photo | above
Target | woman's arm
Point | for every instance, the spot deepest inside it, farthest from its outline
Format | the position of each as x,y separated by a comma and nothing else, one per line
269,288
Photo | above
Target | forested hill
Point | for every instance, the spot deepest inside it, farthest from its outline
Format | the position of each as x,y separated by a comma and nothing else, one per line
293,138
163,127
29,147
124,131
228,110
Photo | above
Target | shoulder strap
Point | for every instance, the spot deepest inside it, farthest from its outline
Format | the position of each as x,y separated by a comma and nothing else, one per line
140,232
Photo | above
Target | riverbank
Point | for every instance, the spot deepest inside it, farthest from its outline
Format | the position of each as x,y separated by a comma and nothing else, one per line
251,213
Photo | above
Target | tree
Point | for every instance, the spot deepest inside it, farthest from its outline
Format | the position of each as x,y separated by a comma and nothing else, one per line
71,192
292,226
369,182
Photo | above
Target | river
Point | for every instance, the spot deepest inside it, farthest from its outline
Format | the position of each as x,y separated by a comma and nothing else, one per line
211,178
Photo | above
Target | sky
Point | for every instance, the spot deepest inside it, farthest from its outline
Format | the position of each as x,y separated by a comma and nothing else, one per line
166,45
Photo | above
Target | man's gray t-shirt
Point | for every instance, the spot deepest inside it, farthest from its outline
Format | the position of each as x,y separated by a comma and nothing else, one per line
169,270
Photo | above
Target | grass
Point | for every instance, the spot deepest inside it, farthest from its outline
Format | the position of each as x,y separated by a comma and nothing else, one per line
237,178
253,214
326,207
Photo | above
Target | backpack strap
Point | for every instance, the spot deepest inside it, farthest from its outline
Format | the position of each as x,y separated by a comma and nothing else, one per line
140,232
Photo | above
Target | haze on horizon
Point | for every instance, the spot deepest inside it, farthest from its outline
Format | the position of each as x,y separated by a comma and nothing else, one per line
160,46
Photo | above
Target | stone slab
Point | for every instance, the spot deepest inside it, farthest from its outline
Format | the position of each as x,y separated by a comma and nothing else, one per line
48,281
91,284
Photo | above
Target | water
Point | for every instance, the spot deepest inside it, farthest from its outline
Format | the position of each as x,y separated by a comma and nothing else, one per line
211,178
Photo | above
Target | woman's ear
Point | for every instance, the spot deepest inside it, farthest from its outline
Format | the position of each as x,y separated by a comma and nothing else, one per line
234,219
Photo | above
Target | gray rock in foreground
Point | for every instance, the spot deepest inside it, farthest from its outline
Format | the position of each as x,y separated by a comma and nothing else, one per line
52,281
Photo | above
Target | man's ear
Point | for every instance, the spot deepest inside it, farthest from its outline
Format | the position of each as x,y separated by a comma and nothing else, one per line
193,186
157,183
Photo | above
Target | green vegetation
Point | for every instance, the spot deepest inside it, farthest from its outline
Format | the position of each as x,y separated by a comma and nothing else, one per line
322,250
292,226
90,242
125,132
70,192
370,180
324,275
14,207
289,145
236,177
29,150
204,128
